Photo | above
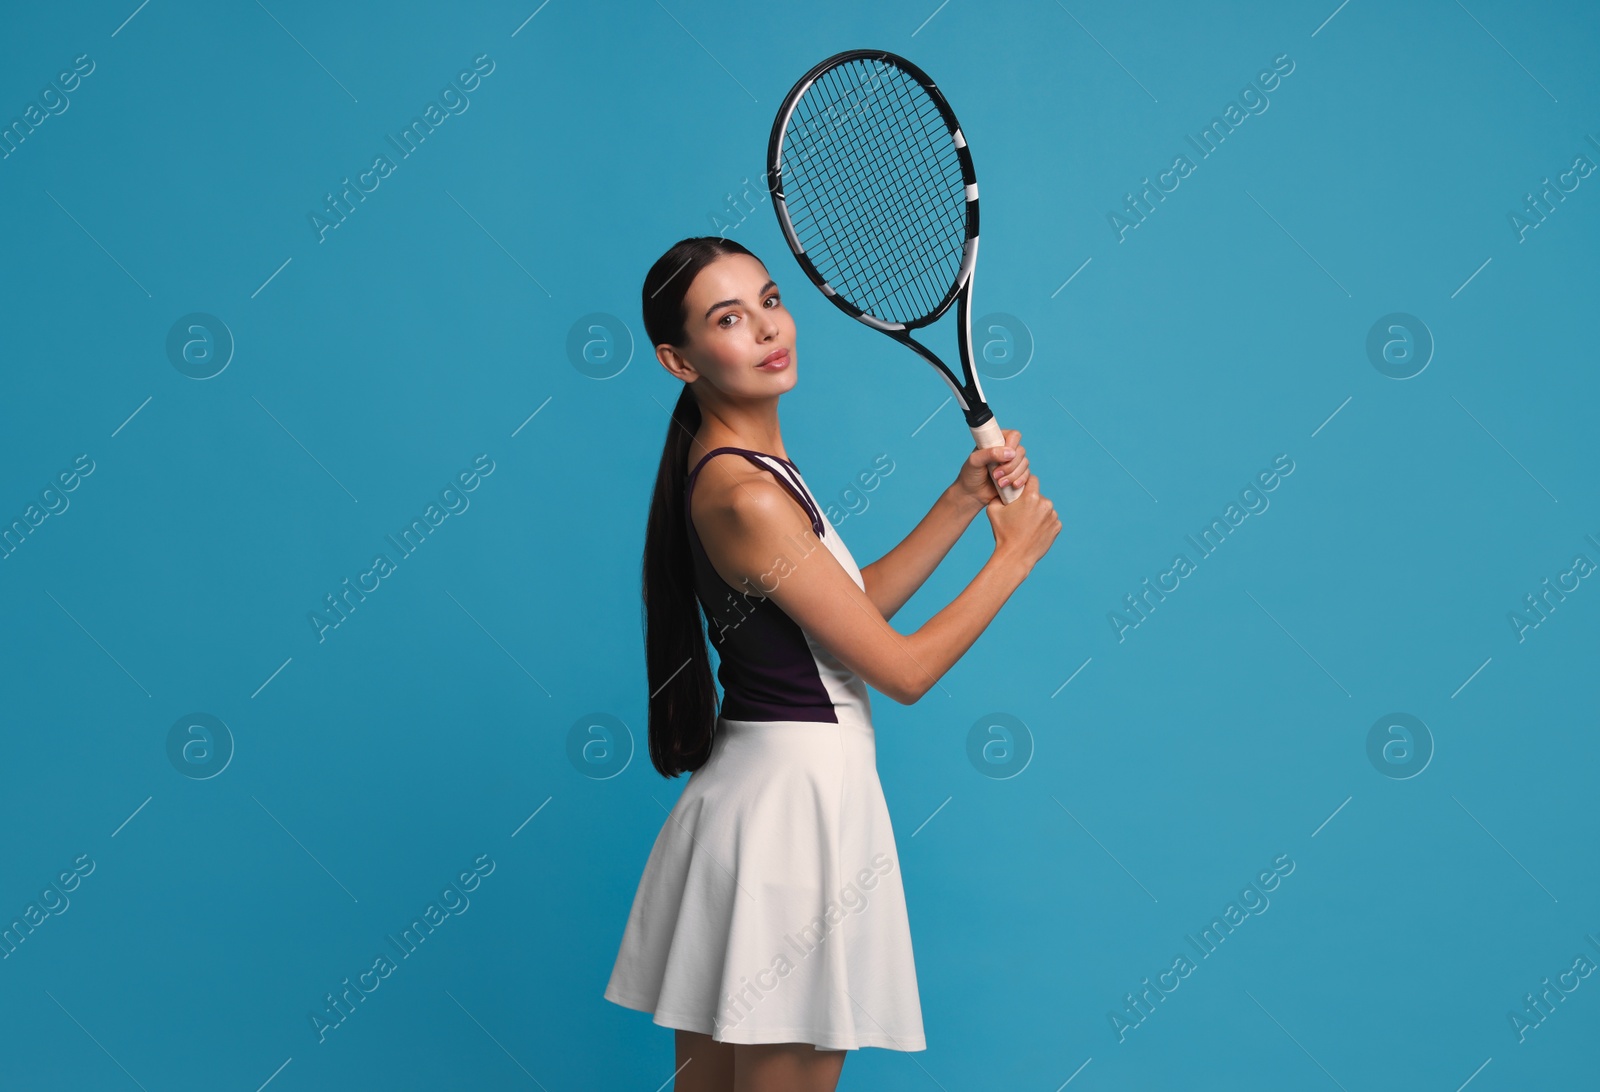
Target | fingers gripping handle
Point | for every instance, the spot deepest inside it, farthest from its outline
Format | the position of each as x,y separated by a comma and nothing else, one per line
988,434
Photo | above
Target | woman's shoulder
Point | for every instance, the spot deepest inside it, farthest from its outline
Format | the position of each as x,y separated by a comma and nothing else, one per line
732,491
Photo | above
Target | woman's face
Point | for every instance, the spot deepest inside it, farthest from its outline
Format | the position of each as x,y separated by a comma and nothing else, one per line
733,321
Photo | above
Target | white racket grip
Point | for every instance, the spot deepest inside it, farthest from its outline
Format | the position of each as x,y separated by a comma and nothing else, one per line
988,434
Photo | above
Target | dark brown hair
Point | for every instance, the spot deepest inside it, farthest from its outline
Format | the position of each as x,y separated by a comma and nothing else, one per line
683,699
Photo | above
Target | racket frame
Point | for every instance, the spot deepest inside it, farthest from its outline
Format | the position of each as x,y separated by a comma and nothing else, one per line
969,395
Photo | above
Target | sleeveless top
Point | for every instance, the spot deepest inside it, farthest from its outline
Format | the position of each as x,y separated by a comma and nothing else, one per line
770,668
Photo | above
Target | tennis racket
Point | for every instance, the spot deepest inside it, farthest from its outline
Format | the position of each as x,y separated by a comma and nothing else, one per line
874,189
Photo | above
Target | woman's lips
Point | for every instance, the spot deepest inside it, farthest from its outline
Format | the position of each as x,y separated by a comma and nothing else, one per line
776,361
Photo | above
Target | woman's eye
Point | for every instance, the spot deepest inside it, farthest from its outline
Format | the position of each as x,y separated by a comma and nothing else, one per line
724,320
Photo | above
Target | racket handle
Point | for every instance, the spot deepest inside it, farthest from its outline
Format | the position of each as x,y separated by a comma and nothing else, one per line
988,434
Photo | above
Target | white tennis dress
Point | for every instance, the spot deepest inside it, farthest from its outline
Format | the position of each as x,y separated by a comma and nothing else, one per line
771,908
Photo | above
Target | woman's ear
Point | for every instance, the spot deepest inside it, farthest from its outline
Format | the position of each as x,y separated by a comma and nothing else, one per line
676,363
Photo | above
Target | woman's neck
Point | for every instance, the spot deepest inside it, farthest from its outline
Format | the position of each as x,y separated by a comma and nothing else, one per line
747,432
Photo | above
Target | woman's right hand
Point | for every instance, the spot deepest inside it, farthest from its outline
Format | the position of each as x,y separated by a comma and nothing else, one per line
1025,528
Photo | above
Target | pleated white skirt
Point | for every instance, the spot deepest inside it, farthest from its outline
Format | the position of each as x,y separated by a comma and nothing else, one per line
771,908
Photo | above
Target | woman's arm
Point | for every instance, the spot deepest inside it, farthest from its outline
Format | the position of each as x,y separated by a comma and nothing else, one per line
895,577
750,533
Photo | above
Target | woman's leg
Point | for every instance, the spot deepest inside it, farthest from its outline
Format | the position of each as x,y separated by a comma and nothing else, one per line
704,1065
785,1067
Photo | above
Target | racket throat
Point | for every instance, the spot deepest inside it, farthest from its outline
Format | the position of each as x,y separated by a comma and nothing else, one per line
976,410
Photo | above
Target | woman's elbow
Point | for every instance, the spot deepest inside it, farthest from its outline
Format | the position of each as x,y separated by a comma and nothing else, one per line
908,691
899,691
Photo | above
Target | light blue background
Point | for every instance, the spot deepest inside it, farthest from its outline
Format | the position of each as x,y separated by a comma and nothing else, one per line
432,726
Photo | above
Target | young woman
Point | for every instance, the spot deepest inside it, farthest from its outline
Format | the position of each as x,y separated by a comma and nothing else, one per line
770,925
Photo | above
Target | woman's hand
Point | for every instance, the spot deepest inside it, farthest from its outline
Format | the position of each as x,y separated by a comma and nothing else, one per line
976,487
1025,528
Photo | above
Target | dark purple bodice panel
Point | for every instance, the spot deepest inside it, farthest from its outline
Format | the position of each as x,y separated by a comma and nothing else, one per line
767,670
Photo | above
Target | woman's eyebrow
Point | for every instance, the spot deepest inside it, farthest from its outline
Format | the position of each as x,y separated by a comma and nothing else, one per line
725,303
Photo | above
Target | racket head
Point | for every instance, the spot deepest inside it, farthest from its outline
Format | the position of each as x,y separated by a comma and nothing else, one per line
874,189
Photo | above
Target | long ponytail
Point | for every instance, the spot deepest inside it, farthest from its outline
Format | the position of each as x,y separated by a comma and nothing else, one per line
683,698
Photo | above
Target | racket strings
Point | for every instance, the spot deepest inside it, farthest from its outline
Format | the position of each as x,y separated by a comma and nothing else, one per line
927,167
839,161
876,275
938,162
882,266
820,156
832,159
877,197
884,247
908,200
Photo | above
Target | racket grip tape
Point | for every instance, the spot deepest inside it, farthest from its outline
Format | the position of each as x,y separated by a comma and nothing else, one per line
988,434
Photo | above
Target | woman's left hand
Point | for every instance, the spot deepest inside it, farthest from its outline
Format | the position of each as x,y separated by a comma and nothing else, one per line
974,483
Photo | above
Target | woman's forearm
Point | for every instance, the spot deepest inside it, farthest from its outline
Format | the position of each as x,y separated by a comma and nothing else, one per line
895,577
945,638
